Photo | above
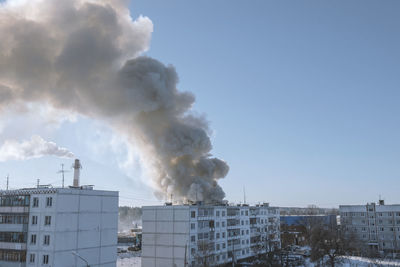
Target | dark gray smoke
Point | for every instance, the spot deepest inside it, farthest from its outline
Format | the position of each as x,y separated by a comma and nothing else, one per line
84,56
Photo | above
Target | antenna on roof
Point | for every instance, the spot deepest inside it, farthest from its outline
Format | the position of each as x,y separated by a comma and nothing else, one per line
244,195
8,178
62,171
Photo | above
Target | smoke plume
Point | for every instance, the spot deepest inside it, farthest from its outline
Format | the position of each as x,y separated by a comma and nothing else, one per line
85,57
35,148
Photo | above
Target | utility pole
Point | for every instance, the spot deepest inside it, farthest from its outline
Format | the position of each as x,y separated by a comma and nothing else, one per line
8,178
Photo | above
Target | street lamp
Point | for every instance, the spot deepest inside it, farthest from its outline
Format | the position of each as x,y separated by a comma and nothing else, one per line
76,254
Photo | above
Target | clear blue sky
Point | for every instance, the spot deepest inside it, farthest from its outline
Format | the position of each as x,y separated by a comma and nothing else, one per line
303,98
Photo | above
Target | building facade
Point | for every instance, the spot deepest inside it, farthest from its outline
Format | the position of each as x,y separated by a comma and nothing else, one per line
377,225
58,227
295,228
207,234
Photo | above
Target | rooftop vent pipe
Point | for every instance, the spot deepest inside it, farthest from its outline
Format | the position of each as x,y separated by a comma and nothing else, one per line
77,170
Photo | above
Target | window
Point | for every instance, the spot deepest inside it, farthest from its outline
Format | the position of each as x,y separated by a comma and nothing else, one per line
193,214
217,246
31,258
242,222
46,240
217,224
247,213
33,239
217,235
223,235
223,213
217,213
242,232
49,201
34,219
223,224
47,220
45,259
193,251
192,226
35,204
193,238
223,245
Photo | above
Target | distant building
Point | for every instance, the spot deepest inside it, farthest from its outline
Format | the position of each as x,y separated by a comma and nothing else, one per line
58,227
207,234
378,225
295,229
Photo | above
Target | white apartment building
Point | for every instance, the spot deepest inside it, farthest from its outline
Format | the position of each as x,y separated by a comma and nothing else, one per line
191,235
58,227
378,225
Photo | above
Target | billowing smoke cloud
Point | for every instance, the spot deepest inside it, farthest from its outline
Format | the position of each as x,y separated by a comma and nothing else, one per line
85,57
35,148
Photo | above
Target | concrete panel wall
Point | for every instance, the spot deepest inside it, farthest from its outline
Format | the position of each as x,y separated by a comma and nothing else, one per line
181,227
109,237
148,262
67,203
65,241
108,254
109,204
90,204
67,222
164,239
148,250
164,227
89,221
148,214
149,227
164,251
109,220
88,239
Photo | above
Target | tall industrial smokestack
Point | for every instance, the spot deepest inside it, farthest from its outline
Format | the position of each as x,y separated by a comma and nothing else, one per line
77,169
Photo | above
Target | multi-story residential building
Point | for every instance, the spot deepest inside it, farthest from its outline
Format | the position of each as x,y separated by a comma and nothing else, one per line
295,228
58,227
378,225
192,235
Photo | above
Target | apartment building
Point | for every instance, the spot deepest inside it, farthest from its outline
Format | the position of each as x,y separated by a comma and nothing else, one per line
378,225
193,235
58,227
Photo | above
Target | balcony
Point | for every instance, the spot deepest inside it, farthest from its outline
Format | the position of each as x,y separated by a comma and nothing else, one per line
13,246
15,209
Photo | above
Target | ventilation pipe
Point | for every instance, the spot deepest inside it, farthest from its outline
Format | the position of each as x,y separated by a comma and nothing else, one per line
77,170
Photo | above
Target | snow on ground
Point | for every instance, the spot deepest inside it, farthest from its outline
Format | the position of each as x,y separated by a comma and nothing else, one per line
359,261
130,258
131,262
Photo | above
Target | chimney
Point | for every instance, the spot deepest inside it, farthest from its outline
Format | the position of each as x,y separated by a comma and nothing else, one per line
77,167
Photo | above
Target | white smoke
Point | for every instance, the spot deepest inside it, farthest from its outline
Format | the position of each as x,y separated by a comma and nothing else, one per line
84,57
36,147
